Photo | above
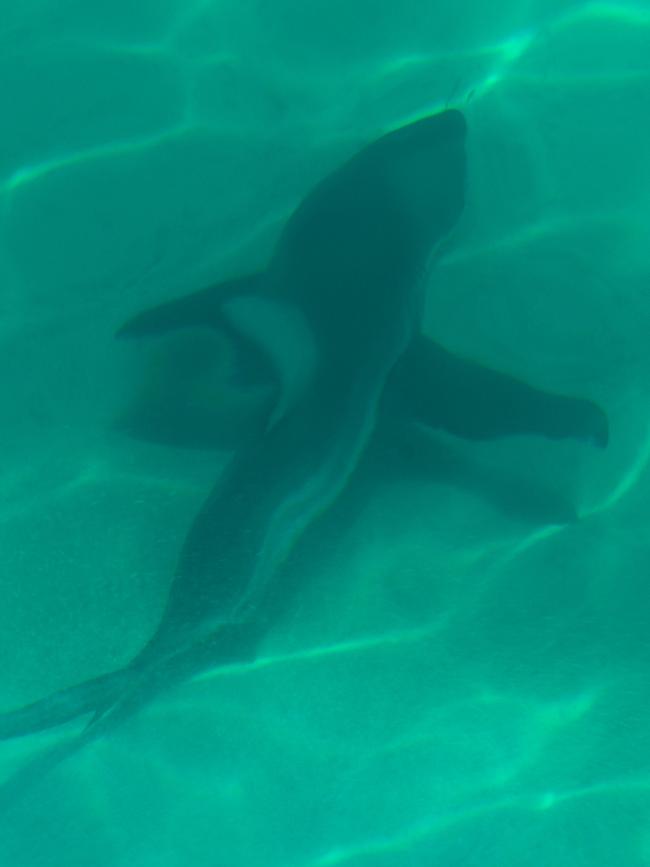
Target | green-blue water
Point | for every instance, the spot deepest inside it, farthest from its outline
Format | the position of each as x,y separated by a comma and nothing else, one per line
459,682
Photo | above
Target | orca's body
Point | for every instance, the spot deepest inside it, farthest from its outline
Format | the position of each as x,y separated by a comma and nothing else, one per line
333,324
336,309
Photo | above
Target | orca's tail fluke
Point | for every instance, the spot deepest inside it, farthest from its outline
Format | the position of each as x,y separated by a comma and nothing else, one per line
110,699
120,694
107,701
96,698
90,697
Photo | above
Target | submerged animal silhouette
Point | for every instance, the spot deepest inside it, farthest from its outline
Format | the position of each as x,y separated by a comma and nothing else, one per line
336,308
334,323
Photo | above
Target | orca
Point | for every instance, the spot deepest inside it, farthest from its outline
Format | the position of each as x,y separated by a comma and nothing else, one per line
338,305
331,332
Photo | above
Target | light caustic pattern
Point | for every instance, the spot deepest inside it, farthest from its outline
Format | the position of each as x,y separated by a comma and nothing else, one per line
516,733
500,62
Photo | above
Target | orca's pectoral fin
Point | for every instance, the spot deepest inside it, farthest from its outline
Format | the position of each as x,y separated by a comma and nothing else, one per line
201,309
446,392
577,418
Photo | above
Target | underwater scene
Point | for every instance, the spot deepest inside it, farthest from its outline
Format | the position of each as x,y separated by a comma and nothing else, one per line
325,425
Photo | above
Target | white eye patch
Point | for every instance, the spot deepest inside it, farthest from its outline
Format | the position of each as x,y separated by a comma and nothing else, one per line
283,333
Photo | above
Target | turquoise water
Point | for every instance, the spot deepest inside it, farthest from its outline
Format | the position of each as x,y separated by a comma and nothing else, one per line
460,682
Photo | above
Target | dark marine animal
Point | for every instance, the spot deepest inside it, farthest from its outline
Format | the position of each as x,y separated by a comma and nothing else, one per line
338,306
333,325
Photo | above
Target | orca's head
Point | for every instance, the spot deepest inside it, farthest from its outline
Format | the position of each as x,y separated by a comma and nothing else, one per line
433,131
424,164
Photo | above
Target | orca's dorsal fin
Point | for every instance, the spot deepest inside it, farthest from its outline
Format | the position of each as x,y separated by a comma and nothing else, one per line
202,309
